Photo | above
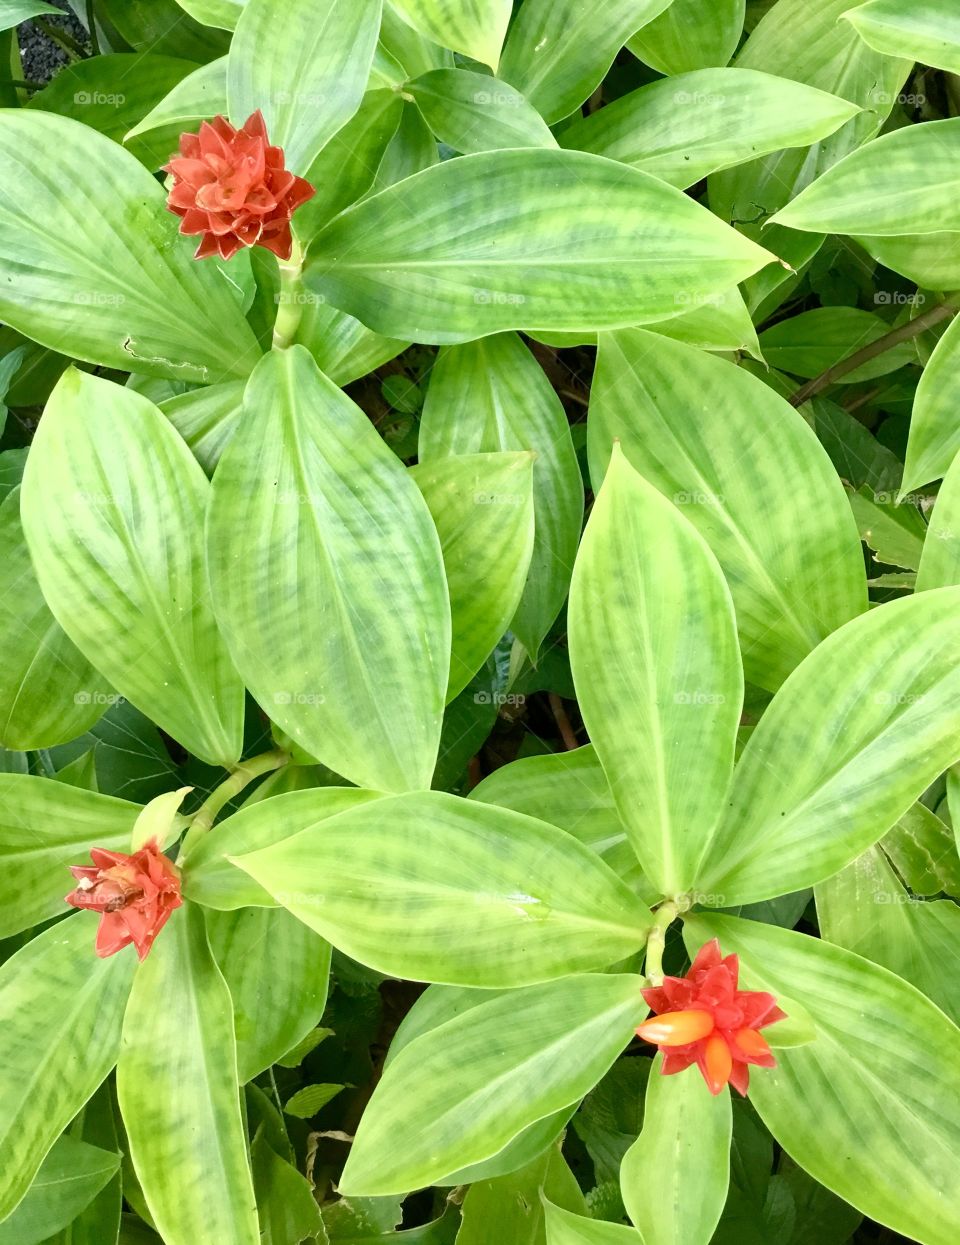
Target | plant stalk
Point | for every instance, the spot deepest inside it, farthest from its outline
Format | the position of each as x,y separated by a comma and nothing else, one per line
220,797
663,918
289,299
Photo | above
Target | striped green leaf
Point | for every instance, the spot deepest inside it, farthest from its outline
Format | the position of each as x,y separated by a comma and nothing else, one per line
810,343
474,27
940,558
13,12
657,671
926,30
100,273
342,347
305,65
272,1011
349,656
44,827
752,478
905,182
682,128
491,395
205,418
530,238
559,51
389,883
459,1094
690,34
482,505
683,1155
178,1092
113,506
50,693
857,733
565,1228
934,431
199,96
856,1107
70,1177
60,1009
473,112
932,260
221,13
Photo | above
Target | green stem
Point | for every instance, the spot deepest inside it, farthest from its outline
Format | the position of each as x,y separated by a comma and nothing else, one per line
289,299
231,787
62,39
663,918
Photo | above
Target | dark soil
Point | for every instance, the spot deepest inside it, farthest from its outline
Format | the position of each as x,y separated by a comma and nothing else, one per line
40,55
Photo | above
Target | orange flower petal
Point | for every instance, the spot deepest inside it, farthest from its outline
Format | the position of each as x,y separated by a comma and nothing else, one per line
676,1028
751,1042
717,1063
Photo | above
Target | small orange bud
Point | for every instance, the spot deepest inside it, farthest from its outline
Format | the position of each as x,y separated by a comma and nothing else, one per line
717,1063
677,1028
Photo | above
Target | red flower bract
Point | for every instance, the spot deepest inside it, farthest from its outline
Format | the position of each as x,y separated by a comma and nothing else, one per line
703,1018
135,894
231,186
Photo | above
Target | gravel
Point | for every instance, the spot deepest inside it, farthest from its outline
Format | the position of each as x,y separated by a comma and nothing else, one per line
42,57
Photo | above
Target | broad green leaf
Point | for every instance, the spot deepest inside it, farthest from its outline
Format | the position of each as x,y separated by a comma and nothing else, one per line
894,532
559,51
221,13
327,579
866,908
924,30
750,475
442,257
100,273
932,260
657,671
934,430
411,150
482,505
810,343
205,418
858,732
407,48
342,347
674,1177
690,34
308,1101
44,827
564,1228
99,1222
473,27
923,851
305,64
940,559
113,506
491,395
473,112
905,182
70,1177
388,883
208,876
459,1094
855,452
60,1010
857,1108
13,12
511,1207
177,1086
682,128
49,691
199,96
287,1207
164,27
272,1011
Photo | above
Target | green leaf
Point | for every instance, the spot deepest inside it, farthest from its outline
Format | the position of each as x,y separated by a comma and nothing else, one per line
113,507
112,283
559,51
285,1201
923,851
308,1101
690,34
70,1177
564,1228
460,1093
928,31
854,451
199,96
857,733
810,343
305,64
177,1086
162,26
273,1011
682,128
99,1222
205,418
387,882
934,433
221,13
343,348
49,691
482,505
674,1177
350,657
511,1207
940,558
657,671
905,182
60,1009
751,478
473,112
894,532
44,827
473,27
441,257
931,260
491,395
13,12
856,1108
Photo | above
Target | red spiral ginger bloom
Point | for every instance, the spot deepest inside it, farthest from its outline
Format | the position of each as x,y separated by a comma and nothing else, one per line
231,187
135,894
703,1018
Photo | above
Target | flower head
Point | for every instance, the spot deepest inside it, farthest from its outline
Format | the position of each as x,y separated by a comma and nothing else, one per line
231,187
135,894
703,1018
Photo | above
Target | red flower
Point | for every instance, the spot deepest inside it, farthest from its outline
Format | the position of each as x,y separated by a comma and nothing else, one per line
231,186
136,895
704,1019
